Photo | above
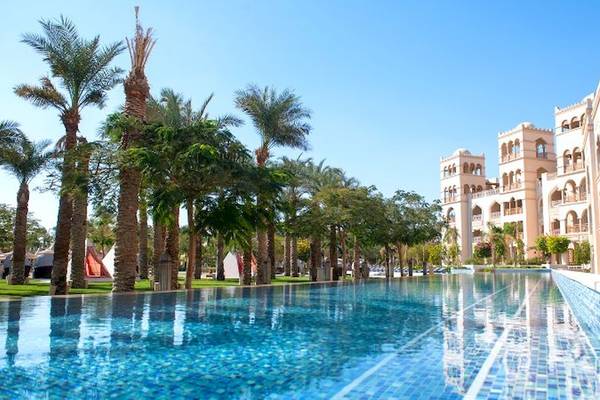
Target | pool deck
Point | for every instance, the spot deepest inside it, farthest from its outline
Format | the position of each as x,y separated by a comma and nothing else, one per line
585,278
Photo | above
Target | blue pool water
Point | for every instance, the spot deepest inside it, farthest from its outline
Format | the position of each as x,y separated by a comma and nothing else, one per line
486,336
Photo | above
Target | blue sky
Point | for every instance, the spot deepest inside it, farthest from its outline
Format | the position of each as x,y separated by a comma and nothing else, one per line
392,85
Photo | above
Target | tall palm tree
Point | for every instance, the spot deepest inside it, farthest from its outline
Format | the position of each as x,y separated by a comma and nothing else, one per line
281,120
82,69
137,91
24,161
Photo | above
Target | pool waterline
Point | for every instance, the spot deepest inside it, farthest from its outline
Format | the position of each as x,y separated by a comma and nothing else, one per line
299,341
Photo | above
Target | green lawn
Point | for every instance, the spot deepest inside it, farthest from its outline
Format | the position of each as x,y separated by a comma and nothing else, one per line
41,288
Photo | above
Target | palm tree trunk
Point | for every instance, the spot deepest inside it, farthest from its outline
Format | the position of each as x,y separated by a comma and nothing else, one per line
143,244
172,248
78,235
400,258
126,245
191,259
286,255
79,224
344,253
262,267
294,257
62,240
356,274
247,259
158,245
220,257
388,273
333,252
271,249
313,260
198,262
20,236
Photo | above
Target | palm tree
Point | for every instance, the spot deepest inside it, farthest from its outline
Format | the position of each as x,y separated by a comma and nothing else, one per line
24,161
137,91
9,133
281,120
82,68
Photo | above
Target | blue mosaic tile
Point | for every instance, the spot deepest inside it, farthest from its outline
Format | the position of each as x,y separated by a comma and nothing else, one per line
489,336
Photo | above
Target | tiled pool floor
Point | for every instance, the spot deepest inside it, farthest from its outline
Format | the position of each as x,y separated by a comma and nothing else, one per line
488,336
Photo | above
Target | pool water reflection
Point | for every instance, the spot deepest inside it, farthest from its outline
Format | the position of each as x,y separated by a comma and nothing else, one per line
484,336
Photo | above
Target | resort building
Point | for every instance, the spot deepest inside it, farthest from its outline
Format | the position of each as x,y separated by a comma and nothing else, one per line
547,184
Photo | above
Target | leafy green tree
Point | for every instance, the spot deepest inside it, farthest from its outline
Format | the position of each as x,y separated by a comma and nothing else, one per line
281,120
24,160
558,245
582,253
541,245
82,69
436,254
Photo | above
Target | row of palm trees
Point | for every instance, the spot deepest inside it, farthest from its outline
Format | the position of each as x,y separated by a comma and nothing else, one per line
163,155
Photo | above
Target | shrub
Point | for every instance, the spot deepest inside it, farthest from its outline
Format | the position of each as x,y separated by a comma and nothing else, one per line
482,250
557,244
535,261
474,261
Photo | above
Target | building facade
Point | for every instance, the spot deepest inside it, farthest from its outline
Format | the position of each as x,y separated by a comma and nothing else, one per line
548,184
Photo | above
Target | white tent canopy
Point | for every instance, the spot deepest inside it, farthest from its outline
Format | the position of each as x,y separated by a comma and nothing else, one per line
232,268
109,261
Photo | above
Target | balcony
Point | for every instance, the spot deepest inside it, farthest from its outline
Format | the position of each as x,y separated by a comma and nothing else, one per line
512,186
513,211
578,228
555,231
578,166
477,219
495,215
510,157
570,198
476,239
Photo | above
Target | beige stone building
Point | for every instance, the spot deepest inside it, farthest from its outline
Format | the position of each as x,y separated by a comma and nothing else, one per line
549,183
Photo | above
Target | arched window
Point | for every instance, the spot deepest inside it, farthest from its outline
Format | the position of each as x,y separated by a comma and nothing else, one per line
539,173
517,148
511,146
495,210
472,168
582,190
445,171
540,149
451,215
477,215
473,188
567,158
466,168
570,191
556,197
564,126
577,159
445,194
555,227
479,188
583,223
504,181
574,122
466,189
504,151
478,170
572,222
518,178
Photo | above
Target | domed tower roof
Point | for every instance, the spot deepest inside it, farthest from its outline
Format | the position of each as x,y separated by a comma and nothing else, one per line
460,151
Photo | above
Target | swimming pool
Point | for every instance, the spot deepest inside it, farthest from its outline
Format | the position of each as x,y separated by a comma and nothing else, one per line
474,336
